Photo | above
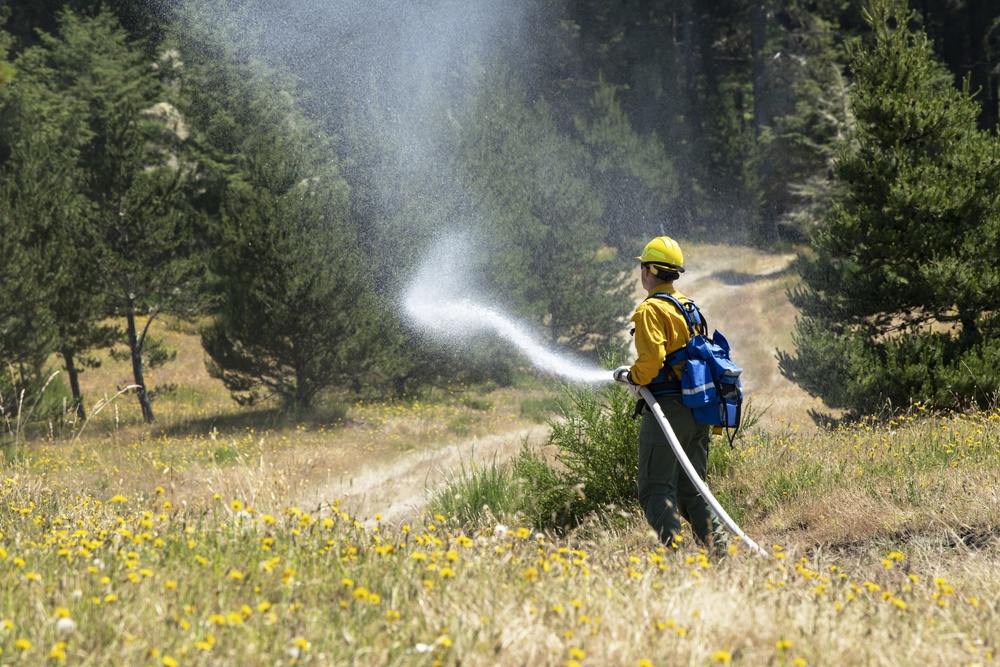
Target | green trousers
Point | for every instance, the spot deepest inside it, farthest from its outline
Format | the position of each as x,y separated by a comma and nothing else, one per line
664,488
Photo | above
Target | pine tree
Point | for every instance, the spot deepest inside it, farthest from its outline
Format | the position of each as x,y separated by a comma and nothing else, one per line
900,294
142,234
635,179
41,218
542,216
296,314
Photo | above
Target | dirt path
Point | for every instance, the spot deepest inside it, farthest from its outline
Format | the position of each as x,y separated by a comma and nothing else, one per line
742,294
398,488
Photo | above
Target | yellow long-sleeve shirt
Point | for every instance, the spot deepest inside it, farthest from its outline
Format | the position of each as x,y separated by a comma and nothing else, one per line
660,329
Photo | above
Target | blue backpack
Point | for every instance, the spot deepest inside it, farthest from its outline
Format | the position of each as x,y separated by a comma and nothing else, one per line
710,381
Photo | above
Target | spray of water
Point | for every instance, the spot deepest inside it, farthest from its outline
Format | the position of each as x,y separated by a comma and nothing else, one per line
437,302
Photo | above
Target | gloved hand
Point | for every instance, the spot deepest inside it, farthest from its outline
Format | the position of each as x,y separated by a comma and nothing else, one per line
621,374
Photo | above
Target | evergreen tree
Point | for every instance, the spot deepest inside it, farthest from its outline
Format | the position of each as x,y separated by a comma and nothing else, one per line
41,218
636,181
139,229
901,291
46,130
296,314
531,193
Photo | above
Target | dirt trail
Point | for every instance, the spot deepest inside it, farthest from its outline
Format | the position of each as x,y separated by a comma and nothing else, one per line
397,488
742,293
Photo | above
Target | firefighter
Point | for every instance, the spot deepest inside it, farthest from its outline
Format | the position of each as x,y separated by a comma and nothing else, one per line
665,492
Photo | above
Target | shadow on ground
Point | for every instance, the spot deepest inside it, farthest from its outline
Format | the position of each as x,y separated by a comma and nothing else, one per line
257,419
730,277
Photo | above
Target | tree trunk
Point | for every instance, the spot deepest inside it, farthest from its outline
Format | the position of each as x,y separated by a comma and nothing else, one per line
758,42
133,344
74,382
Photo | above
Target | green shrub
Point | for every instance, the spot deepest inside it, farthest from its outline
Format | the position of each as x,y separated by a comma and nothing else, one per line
538,410
595,459
477,403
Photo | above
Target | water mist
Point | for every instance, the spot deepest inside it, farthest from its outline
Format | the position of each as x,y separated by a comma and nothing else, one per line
439,302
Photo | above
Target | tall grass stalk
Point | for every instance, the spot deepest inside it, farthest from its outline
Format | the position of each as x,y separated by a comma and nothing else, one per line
476,494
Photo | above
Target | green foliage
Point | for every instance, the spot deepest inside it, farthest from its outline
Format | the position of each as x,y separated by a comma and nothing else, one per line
476,494
633,175
296,315
595,459
542,216
594,468
539,409
899,299
116,197
49,302
807,94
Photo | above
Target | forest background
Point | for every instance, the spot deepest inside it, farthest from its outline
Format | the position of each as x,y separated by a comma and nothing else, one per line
277,175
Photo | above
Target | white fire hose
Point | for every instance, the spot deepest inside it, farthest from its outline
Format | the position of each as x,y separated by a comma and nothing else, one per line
693,475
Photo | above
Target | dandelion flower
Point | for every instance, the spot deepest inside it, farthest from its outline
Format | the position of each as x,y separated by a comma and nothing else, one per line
58,652
65,626
22,644
722,657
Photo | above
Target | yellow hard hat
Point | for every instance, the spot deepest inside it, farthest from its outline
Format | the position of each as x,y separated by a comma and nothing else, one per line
663,252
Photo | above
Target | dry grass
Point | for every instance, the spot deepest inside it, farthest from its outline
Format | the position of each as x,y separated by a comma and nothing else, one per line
860,574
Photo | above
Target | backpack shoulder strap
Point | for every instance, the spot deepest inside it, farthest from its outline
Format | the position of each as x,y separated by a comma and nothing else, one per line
692,314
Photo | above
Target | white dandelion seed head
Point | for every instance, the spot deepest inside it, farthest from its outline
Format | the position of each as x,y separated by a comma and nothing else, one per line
65,627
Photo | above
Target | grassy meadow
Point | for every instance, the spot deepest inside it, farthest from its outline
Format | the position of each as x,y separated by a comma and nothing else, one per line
222,536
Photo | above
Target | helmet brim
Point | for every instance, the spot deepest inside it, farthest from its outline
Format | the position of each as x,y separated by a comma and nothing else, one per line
662,265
